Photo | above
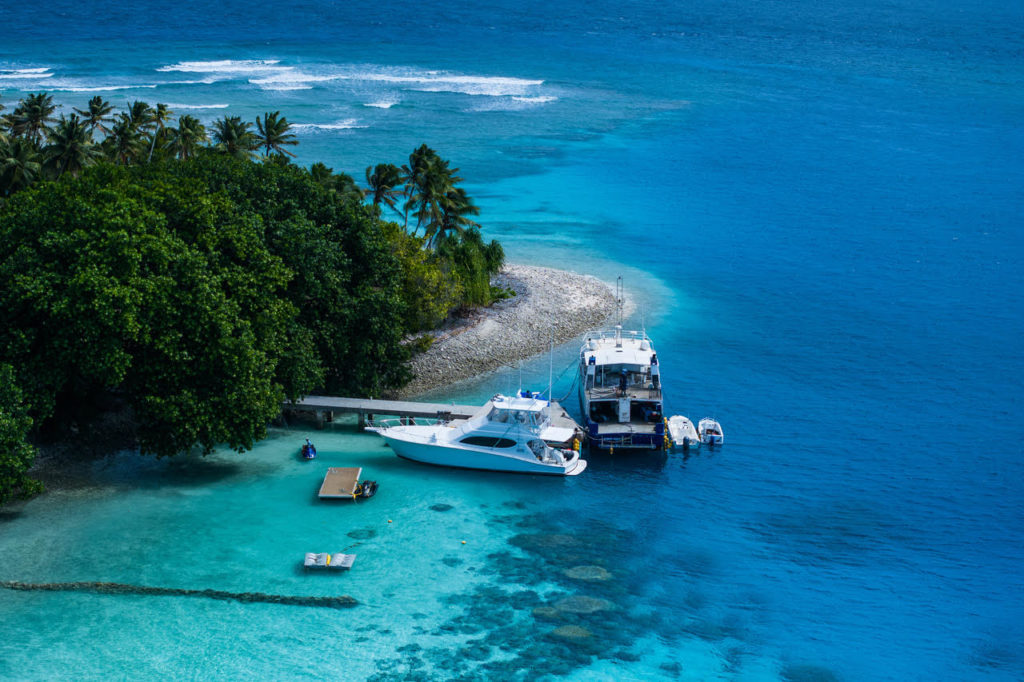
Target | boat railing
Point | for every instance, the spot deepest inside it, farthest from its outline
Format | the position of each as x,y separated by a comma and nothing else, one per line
606,392
391,422
610,334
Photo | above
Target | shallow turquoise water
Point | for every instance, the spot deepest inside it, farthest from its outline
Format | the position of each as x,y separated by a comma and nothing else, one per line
817,210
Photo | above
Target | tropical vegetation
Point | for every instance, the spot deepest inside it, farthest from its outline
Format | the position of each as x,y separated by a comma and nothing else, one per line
194,278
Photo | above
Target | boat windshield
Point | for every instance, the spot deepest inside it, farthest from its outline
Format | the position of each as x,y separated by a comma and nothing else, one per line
506,416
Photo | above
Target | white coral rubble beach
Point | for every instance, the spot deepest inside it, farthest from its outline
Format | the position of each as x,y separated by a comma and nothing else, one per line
548,304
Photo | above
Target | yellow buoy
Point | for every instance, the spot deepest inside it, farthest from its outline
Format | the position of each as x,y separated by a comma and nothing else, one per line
463,542
389,520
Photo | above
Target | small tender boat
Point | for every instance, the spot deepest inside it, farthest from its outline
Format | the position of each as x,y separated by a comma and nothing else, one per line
366,489
682,432
506,434
308,450
710,432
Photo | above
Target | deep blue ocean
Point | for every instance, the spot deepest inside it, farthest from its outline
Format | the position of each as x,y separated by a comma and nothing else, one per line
817,207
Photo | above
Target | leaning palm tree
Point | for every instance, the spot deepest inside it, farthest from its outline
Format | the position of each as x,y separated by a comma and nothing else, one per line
32,116
455,206
160,117
273,133
383,184
125,143
19,165
97,114
233,137
184,140
71,147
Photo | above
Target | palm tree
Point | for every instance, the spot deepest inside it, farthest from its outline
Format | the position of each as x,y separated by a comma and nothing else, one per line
341,184
19,165
383,184
233,137
413,175
321,173
184,140
141,116
71,147
97,114
32,116
436,182
273,132
160,118
125,143
455,206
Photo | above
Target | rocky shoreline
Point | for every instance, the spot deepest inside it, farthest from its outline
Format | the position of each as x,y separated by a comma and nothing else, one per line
548,303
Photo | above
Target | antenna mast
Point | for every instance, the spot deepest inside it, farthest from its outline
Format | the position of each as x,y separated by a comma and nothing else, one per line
619,297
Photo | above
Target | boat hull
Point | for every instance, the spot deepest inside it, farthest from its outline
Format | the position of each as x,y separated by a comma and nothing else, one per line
446,455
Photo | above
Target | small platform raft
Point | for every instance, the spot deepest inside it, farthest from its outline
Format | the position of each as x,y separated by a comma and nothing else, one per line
337,561
342,483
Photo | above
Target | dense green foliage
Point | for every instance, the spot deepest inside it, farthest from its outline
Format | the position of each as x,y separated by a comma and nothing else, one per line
200,288
16,454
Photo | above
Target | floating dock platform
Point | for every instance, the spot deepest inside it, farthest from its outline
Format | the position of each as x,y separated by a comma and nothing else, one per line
340,483
336,561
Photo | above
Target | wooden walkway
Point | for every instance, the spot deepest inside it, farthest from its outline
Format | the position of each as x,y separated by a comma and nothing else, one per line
393,408
326,407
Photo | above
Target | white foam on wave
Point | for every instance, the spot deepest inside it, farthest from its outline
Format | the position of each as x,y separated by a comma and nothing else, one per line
101,88
382,104
290,80
347,124
433,81
173,107
25,74
542,99
226,66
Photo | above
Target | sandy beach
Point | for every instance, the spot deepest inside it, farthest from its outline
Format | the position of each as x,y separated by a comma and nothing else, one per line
548,304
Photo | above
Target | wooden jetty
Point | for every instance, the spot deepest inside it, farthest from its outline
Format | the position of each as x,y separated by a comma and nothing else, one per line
340,482
325,408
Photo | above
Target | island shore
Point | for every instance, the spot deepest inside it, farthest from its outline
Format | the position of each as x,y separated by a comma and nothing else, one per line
549,304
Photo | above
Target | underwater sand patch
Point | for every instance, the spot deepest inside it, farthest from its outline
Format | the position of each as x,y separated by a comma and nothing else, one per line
587,573
572,633
583,604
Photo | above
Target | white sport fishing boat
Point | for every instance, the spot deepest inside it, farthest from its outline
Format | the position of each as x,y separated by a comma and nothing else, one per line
506,434
682,432
620,388
710,432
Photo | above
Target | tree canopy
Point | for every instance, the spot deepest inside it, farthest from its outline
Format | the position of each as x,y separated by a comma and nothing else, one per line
199,288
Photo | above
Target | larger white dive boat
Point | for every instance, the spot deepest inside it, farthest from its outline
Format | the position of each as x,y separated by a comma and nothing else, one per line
506,434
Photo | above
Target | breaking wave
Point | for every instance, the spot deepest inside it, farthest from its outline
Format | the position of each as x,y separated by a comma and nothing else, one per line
347,124
226,66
